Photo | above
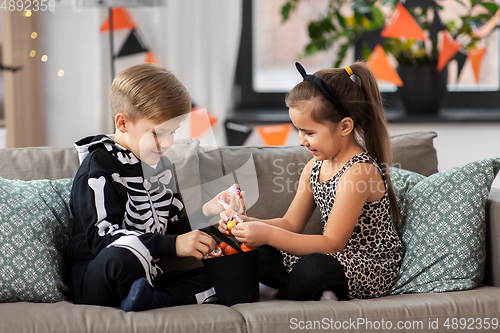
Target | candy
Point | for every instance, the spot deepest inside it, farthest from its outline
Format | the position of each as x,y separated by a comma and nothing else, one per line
231,224
230,250
246,247
233,190
223,246
217,252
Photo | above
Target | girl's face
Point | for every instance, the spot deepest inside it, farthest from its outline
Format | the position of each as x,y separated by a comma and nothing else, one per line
322,140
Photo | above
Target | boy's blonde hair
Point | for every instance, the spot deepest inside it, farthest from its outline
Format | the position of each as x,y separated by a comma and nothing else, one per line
148,90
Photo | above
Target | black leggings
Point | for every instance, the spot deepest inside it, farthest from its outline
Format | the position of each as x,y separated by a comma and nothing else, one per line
311,275
106,280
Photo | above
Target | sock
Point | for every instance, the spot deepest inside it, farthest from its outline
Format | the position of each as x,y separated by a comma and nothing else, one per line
266,291
142,297
328,294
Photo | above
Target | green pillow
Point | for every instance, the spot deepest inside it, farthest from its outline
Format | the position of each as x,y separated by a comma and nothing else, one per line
35,229
443,230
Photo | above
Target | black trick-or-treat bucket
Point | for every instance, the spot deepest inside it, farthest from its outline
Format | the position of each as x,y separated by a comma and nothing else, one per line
235,277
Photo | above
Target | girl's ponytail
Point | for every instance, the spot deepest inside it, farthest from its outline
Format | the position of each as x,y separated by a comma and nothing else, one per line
371,128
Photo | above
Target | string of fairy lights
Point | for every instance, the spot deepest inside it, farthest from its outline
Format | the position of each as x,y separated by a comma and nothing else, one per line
33,53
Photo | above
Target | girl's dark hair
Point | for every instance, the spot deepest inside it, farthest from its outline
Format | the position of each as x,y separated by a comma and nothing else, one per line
363,101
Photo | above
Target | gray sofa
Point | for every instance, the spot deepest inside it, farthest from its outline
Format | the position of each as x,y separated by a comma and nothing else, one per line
277,170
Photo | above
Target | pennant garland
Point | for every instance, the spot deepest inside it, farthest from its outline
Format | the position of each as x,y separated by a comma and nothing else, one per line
134,43
150,57
403,25
476,57
420,3
460,57
236,133
437,24
200,122
449,47
274,135
265,135
121,20
380,66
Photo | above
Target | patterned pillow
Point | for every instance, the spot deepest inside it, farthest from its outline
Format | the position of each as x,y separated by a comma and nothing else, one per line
35,229
444,227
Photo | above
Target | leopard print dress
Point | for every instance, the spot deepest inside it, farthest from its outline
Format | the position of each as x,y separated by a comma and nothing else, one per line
373,254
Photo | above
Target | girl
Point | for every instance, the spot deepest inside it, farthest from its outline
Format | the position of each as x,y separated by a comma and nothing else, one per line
340,119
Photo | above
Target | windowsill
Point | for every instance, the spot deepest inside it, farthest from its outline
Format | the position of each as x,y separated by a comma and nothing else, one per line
276,116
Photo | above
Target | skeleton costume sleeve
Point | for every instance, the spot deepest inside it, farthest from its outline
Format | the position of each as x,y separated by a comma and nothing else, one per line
118,201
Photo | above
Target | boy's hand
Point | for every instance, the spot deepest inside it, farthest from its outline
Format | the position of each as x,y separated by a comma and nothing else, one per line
195,243
235,201
252,233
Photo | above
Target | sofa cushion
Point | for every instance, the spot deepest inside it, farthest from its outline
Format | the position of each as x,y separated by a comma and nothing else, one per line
415,152
72,318
443,227
38,163
35,229
398,313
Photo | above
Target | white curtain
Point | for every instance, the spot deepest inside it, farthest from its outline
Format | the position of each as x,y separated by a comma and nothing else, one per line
197,39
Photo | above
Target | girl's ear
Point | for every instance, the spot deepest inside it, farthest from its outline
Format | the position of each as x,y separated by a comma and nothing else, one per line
121,122
346,126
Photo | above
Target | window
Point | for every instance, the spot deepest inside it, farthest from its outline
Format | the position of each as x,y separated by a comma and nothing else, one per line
268,49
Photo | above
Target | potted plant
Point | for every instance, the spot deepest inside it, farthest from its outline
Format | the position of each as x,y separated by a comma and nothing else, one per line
346,23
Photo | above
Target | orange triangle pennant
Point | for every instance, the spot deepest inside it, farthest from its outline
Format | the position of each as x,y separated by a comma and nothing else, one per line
381,68
150,57
488,27
274,135
200,121
403,25
449,47
121,20
476,57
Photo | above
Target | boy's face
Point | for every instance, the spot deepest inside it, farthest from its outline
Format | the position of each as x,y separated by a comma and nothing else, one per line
149,140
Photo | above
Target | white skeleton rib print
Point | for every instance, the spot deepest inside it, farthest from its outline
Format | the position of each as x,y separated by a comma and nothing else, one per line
148,202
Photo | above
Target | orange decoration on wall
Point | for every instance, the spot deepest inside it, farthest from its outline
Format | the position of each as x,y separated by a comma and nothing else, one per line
476,57
121,20
200,121
381,68
274,135
449,47
403,25
150,57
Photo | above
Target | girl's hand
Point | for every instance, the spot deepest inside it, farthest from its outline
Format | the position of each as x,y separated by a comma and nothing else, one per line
252,233
226,217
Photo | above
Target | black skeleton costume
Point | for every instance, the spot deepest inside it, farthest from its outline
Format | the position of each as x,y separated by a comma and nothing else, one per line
118,201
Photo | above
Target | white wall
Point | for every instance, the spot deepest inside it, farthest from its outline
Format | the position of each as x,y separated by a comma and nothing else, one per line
74,103
459,143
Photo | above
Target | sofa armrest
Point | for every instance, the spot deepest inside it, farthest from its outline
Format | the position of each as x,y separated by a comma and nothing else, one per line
492,273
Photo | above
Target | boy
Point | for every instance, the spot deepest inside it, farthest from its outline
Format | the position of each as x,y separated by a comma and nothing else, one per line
125,206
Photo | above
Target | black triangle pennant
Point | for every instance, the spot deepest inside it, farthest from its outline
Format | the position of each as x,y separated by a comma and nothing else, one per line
419,3
236,133
437,25
460,57
132,45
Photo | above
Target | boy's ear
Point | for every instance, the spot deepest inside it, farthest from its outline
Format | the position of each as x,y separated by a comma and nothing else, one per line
121,122
346,126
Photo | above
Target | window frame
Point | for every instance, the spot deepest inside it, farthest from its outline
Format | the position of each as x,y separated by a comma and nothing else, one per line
249,101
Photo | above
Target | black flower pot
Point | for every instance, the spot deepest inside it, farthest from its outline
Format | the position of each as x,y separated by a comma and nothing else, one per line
423,90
